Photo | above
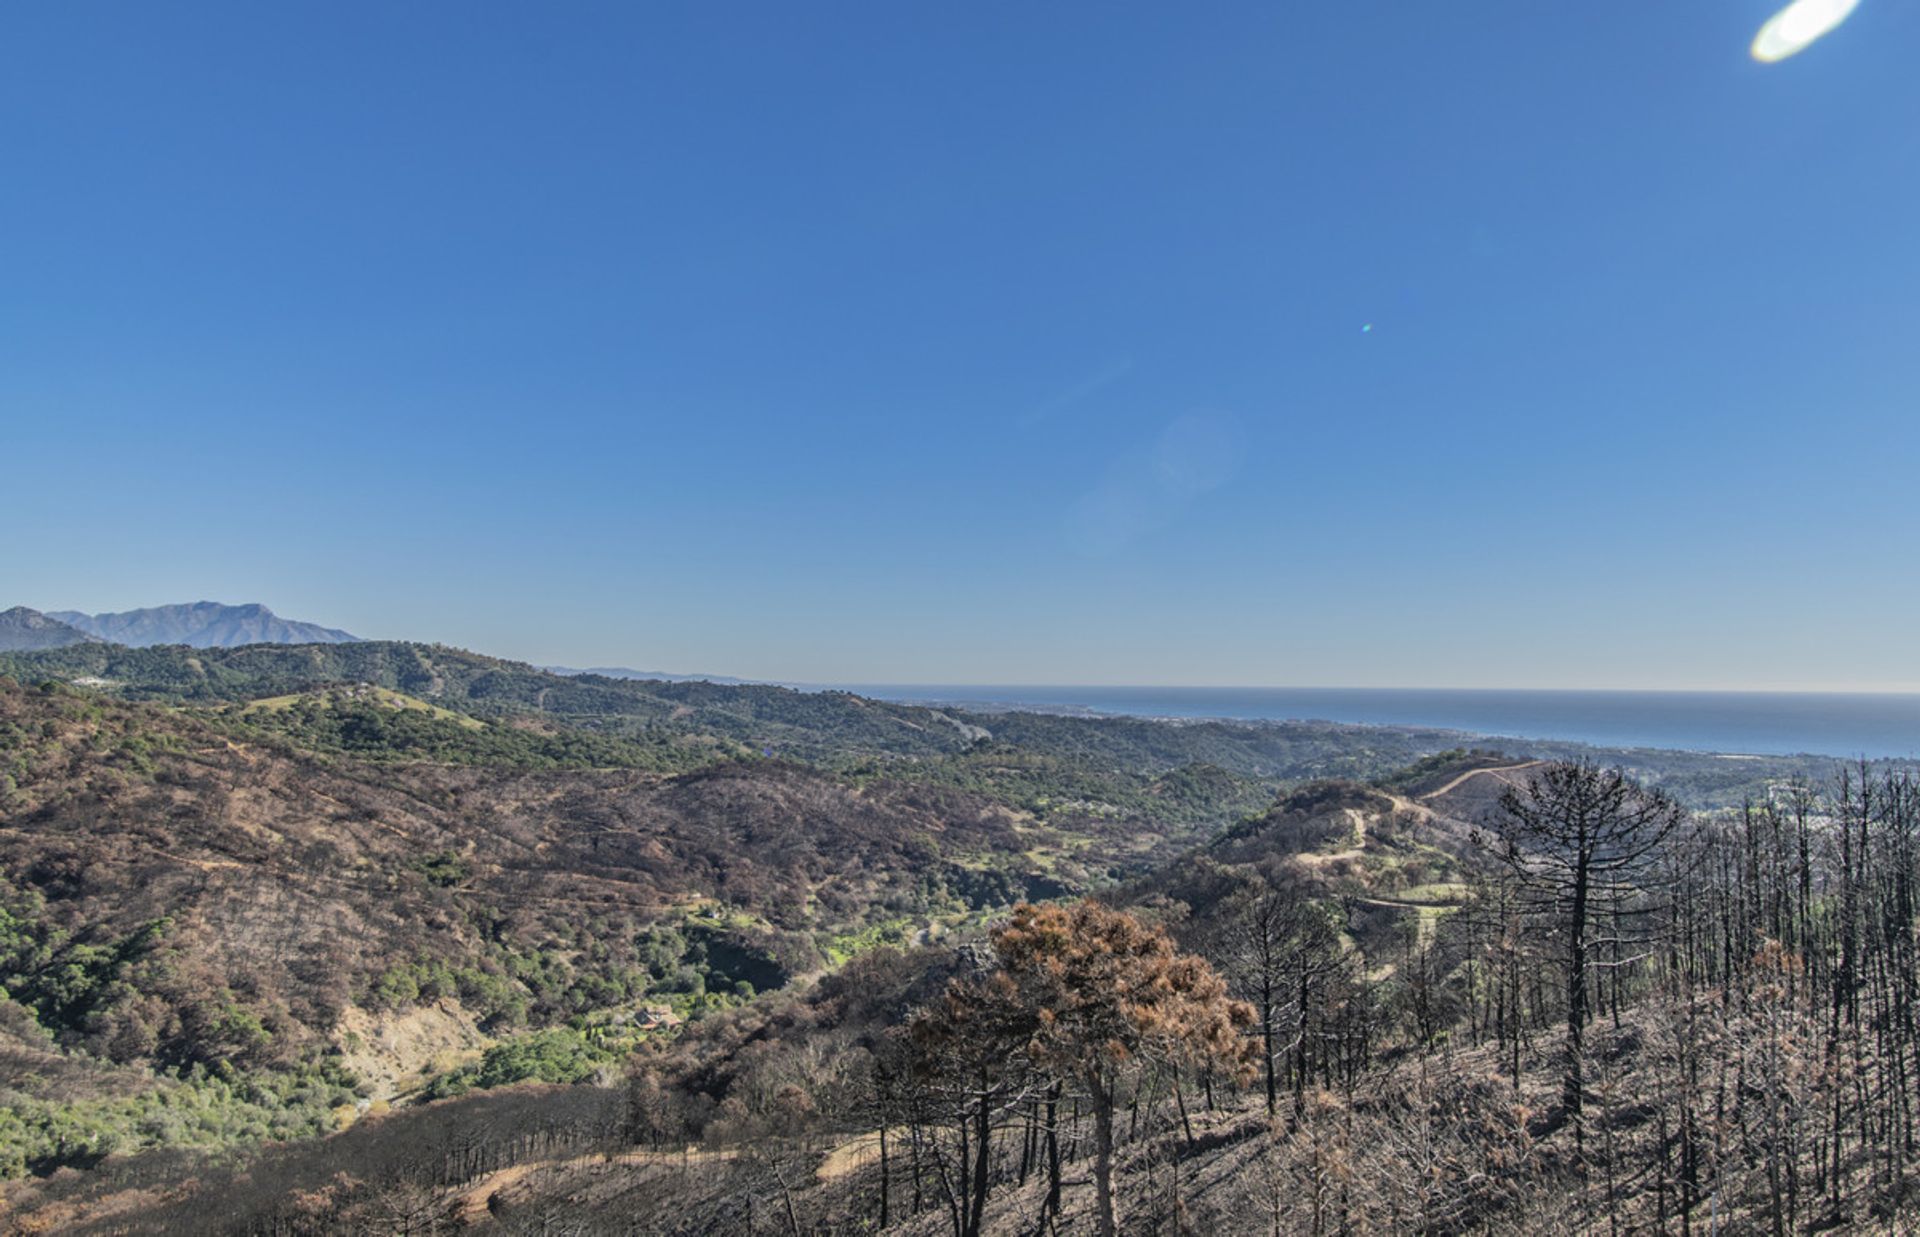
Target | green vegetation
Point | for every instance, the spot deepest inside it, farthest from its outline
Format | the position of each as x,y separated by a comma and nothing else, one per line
377,725
228,852
1069,788
809,725
842,947
559,1055
1431,771
201,1111
380,696
444,868
120,997
1069,767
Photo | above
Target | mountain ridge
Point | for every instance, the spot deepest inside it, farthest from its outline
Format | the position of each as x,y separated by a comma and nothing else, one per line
201,625
24,630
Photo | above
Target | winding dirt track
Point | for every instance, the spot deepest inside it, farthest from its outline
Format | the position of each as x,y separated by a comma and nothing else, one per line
1472,773
470,1204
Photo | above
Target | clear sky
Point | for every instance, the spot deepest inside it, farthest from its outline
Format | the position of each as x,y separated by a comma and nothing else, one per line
1473,344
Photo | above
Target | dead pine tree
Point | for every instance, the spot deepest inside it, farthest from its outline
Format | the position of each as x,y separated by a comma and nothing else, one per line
1278,945
1585,846
968,1060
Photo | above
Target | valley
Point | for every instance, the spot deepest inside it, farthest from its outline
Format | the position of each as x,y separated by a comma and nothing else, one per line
279,901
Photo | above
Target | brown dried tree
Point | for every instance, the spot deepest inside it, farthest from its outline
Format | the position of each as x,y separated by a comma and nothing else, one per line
1111,996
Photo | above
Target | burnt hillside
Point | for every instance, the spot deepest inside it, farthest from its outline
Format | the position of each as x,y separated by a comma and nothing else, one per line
178,870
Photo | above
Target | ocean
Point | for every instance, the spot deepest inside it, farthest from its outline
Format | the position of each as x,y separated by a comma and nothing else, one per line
1757,723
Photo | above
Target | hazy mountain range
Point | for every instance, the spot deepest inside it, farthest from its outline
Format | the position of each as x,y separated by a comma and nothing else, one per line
211,625
199,624
22,629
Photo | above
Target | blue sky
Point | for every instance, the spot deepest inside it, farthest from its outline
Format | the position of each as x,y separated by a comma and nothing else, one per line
979,343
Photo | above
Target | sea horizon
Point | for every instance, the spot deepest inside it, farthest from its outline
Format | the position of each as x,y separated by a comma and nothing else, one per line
1842,725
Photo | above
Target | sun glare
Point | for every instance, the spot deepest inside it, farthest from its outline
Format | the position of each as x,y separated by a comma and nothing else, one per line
1793,28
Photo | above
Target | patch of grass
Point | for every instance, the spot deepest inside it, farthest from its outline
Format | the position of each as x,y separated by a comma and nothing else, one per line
1435,891
843,947
384,697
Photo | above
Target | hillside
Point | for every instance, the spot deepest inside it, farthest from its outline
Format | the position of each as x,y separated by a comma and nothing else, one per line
229,917
1419,1068
628,672
799,722
24,630
268,892
1047,763
1397,863
236,840
805,724
1174,777
224,890
201,624
180,892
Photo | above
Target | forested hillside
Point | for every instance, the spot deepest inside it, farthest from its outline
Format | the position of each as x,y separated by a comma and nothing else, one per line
1110,762
810,724
1275,1033
184,894
548,934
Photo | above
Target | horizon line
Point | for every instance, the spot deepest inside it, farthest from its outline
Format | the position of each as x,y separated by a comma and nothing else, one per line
930,685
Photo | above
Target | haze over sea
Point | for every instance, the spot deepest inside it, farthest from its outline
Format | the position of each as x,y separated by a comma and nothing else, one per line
1759,723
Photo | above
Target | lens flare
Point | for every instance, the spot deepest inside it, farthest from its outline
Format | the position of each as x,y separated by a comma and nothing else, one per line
1799,24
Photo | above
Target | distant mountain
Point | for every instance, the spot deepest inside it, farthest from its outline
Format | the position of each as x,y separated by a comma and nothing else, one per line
22,629
656,676
201,625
